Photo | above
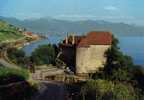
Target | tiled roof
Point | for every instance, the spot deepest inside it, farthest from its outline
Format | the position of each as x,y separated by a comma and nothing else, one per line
28,33
96,38
92,38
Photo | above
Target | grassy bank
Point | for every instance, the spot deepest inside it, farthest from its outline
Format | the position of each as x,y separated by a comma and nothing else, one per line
9,75
14,84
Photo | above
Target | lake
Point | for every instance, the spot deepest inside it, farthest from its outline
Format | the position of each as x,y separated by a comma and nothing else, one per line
132,46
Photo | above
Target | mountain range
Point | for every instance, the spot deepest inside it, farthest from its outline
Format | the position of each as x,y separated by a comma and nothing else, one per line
54,26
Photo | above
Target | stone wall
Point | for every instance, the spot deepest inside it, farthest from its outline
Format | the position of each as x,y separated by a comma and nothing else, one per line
90,59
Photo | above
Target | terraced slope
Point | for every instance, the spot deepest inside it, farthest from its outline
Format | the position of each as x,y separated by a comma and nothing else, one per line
9,33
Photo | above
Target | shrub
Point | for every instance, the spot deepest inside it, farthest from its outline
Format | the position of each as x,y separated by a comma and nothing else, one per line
9,75
107,90
14,84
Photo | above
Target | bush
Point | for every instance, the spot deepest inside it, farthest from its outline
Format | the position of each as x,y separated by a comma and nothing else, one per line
107,90
14,84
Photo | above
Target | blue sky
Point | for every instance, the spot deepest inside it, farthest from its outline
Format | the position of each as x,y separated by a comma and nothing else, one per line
128,11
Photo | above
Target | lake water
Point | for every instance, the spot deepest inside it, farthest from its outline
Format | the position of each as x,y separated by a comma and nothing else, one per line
132,46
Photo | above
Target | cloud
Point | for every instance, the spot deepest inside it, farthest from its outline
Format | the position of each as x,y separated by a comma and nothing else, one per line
110,8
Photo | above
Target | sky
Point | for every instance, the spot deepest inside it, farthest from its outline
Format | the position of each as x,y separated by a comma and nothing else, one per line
128,11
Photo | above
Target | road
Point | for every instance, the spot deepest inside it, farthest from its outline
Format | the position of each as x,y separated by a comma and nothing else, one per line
51,91
4,60
6,64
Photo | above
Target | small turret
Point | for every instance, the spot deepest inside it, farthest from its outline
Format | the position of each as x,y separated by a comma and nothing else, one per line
66,39
73,38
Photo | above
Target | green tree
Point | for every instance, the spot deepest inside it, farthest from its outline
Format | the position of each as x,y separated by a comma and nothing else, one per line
44,54
118,66
138,81
17,56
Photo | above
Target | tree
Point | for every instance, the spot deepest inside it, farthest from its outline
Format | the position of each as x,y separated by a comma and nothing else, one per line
138,81
44,54
17,56
118,66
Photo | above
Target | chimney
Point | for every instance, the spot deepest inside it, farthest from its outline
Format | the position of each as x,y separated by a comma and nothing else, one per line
66,39
73,38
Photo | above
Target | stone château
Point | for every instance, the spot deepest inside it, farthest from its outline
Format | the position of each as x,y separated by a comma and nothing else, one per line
85,54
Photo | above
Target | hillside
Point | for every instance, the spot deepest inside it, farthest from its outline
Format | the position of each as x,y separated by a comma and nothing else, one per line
9,32
54,26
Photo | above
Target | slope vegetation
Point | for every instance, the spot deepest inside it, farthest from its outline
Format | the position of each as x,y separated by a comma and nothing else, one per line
9,33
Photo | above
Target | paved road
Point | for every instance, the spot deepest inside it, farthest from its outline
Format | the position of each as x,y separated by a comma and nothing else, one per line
6,64
52,91
4,61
